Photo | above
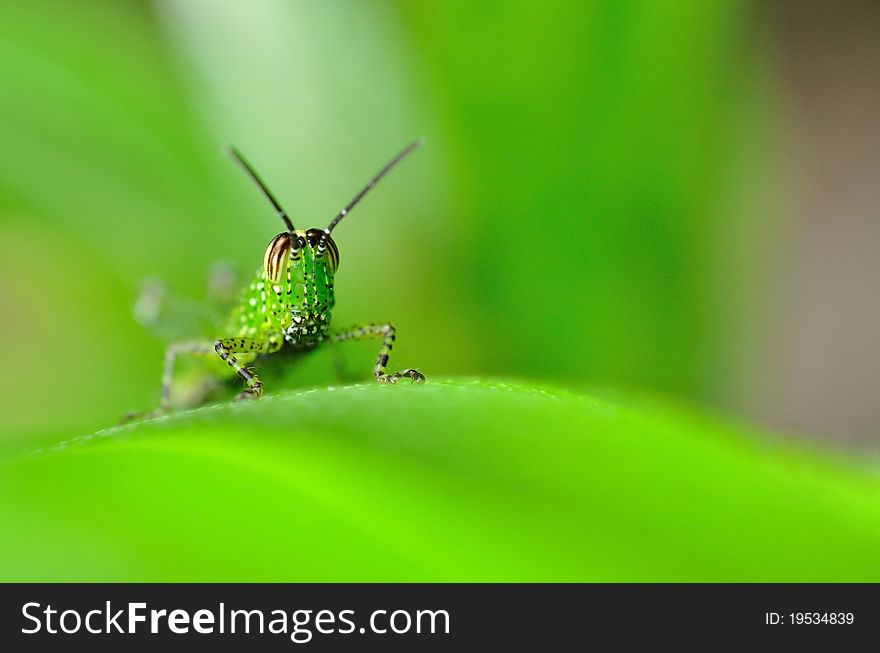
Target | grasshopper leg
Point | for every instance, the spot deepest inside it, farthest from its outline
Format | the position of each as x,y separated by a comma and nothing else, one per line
226,349
386,333
175,349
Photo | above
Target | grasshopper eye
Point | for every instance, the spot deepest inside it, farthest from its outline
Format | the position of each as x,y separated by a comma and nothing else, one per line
332,253
276,255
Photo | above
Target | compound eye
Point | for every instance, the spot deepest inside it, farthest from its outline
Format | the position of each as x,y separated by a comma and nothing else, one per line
332,253
275,258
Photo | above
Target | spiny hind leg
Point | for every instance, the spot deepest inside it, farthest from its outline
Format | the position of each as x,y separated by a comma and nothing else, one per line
386,333
226,349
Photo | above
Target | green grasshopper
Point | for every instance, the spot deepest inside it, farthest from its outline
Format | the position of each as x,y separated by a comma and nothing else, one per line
289,301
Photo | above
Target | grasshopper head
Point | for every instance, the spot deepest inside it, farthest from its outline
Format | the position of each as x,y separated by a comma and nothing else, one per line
300,265
300,249
300,269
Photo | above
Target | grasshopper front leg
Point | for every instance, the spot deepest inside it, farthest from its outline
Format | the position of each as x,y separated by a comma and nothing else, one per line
225,348
386,332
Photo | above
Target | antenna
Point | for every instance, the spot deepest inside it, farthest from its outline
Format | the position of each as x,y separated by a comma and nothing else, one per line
235,154
322,244
375,180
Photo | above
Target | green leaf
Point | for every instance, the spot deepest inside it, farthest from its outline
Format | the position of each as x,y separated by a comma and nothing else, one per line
450,481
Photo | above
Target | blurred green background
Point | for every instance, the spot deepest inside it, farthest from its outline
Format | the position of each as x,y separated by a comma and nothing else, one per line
620,197
573,216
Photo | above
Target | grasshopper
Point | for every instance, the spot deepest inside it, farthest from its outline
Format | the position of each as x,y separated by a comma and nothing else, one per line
289,301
